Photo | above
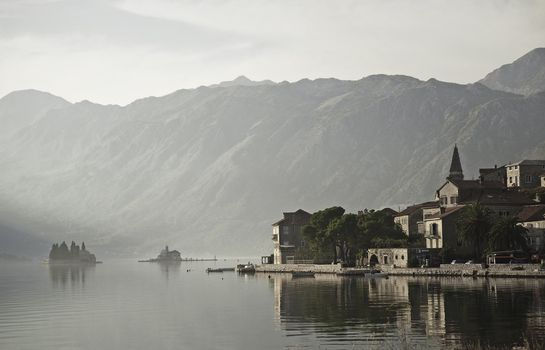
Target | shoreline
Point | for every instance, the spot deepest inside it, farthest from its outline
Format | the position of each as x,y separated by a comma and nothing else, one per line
445,270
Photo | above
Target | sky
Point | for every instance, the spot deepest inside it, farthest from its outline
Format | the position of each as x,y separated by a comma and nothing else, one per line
116,51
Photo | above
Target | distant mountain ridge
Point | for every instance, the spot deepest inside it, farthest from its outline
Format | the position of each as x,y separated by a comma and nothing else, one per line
525,76
209,169
243,81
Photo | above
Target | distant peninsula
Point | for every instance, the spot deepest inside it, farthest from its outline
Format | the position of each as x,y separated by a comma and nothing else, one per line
61,254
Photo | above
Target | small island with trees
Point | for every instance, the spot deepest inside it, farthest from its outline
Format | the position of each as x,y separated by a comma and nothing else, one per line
75,255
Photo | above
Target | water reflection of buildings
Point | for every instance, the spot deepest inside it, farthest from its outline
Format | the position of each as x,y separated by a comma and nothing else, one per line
419,307
66,274
445,310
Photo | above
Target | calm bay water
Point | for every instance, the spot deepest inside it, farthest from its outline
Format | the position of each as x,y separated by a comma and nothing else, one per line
130,305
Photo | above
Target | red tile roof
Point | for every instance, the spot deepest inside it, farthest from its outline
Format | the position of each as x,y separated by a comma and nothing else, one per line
445,212
414,208
532,213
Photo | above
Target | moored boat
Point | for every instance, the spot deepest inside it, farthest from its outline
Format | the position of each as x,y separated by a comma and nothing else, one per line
246,268
220,269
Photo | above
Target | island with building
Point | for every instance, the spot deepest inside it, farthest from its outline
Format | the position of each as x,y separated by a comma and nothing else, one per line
166,255
496,219
60,253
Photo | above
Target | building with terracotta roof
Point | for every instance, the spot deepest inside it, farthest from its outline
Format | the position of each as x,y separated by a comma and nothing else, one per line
287,236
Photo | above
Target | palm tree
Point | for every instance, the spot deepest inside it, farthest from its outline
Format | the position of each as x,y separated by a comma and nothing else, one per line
474,228
506,234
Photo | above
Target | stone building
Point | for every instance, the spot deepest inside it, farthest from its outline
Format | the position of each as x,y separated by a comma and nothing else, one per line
401,257
287,236
389,256
525,173
440,228
495,174
410,218
533,218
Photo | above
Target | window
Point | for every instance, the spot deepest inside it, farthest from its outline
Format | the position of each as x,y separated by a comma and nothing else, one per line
396,257
510,179
528,179
303,243
453,199
516,167
403,257
434,229
444,200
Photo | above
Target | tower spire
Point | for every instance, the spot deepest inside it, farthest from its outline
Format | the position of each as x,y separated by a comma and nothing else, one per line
455,172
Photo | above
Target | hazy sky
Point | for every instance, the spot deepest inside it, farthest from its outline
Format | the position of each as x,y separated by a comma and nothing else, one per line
114,51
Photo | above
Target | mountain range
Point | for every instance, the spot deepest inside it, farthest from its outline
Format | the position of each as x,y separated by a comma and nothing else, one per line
207,170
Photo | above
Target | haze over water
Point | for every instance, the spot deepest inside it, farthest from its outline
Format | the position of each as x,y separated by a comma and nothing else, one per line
127,305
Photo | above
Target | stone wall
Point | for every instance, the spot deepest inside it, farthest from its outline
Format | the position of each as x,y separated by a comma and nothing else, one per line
288,268
477,270
461,267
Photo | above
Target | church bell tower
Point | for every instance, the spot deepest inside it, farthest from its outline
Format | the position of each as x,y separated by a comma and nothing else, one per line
455,172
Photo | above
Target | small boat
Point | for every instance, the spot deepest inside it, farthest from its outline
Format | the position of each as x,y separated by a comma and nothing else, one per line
220,269
248,268
297,274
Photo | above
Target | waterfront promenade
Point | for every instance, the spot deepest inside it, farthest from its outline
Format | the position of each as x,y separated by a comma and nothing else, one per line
454,270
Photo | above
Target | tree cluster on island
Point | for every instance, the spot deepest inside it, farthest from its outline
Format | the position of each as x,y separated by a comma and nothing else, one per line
334,234
73,254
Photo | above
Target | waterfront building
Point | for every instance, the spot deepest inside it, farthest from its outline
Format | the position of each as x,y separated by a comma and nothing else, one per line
439,224
401,257
533,218
287,236
525,173
440,228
